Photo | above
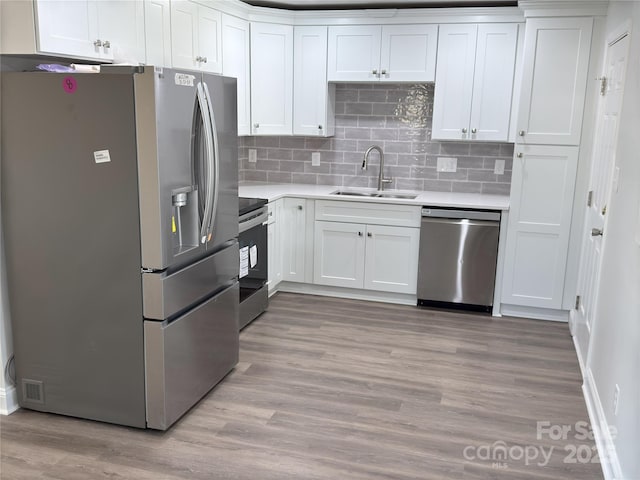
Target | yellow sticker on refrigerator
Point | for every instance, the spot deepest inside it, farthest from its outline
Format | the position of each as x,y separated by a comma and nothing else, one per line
173,224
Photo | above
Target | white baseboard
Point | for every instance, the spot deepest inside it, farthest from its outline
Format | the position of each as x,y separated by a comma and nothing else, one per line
606,448
8,400
534,312
581,359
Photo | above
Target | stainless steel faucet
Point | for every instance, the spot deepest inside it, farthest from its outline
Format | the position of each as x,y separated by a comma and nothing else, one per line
381,179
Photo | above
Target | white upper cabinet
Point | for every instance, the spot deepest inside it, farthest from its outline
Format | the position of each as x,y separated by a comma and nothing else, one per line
101,30
196,36
313,98
157,32
389,53
556,61
474,82
542,192
235,63
271,79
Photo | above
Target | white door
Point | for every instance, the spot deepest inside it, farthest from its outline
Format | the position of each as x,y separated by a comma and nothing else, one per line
121,29
271,79
68,28
556,60
184,25
157,32
294,239
493,82
311,100
391,259
354,53
235,63
339,254
454,82
539,224
210,39
408,53
600,186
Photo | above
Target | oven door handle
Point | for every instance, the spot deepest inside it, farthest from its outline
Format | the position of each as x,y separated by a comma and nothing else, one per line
253,222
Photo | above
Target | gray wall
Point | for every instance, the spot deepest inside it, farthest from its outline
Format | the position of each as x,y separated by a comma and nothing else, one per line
398,118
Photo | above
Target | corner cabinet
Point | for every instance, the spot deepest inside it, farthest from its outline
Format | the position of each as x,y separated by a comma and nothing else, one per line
474,82
313,98
554,81
235,63
388,53
365,255
539,220
271,79
196,36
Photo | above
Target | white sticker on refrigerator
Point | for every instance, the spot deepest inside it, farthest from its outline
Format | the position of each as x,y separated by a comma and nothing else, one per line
184,79
244,262
253,256
101,156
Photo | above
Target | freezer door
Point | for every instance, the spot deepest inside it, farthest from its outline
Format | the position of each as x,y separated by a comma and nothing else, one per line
186,358
172,133
222,104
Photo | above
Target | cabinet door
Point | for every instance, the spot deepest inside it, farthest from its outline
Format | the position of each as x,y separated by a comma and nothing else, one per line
408,53
68,28
294,239
454,82
271,79
184,24
157,28
121,29
274,242
235,63
339,254
556,61
539,223
313,99
391,259
209,39
493,82
354,53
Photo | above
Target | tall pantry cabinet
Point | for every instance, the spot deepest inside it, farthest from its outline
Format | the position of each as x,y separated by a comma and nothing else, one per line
555,68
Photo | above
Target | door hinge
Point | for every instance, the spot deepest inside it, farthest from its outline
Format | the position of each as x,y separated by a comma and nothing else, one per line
577,302
604,210
603,85
590,198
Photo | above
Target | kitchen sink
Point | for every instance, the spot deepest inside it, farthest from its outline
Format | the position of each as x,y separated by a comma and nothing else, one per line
356,193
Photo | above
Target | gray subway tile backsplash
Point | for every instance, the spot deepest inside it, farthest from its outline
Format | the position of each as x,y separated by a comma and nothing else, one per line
398,118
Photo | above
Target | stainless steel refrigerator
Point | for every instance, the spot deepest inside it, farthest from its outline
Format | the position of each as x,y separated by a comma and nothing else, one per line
120,221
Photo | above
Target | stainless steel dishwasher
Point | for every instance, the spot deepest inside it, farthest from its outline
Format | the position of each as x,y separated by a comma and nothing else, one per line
457,259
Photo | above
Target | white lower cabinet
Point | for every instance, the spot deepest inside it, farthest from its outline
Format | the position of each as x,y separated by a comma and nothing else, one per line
542,192
373,257
297,239
274,245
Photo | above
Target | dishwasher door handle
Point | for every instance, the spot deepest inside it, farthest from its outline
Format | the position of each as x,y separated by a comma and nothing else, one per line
461,221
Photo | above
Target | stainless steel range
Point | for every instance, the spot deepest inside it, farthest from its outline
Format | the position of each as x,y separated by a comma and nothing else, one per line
254,295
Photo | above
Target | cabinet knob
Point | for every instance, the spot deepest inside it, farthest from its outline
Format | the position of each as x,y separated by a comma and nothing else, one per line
319,127
383,72
374,71
474,130
198,59
464,130
98,43
256,125
299,207
359,234
596,232
521,133
369,234
519,155
204,59
106,44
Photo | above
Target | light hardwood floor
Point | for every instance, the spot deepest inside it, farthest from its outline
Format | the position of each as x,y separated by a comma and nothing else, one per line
343,389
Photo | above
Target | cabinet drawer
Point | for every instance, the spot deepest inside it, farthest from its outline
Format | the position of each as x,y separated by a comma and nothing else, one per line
371,213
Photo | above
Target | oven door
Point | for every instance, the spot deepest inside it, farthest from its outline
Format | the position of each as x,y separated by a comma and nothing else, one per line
253,252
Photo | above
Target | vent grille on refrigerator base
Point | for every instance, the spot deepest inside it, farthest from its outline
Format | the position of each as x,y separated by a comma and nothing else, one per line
32,391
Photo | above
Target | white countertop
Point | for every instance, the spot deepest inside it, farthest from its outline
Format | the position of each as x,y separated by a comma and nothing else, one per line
274,191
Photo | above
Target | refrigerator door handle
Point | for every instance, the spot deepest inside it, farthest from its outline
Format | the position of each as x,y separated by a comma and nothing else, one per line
216,157
208,136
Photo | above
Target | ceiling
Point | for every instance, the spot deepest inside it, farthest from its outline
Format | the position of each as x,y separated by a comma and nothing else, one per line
368,4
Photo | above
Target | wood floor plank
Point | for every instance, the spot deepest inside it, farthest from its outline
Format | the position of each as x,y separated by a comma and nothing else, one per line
342,389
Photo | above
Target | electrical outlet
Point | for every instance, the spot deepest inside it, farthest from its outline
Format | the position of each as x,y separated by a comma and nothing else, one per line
616,398
498,168
253,155
315,159
447,164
